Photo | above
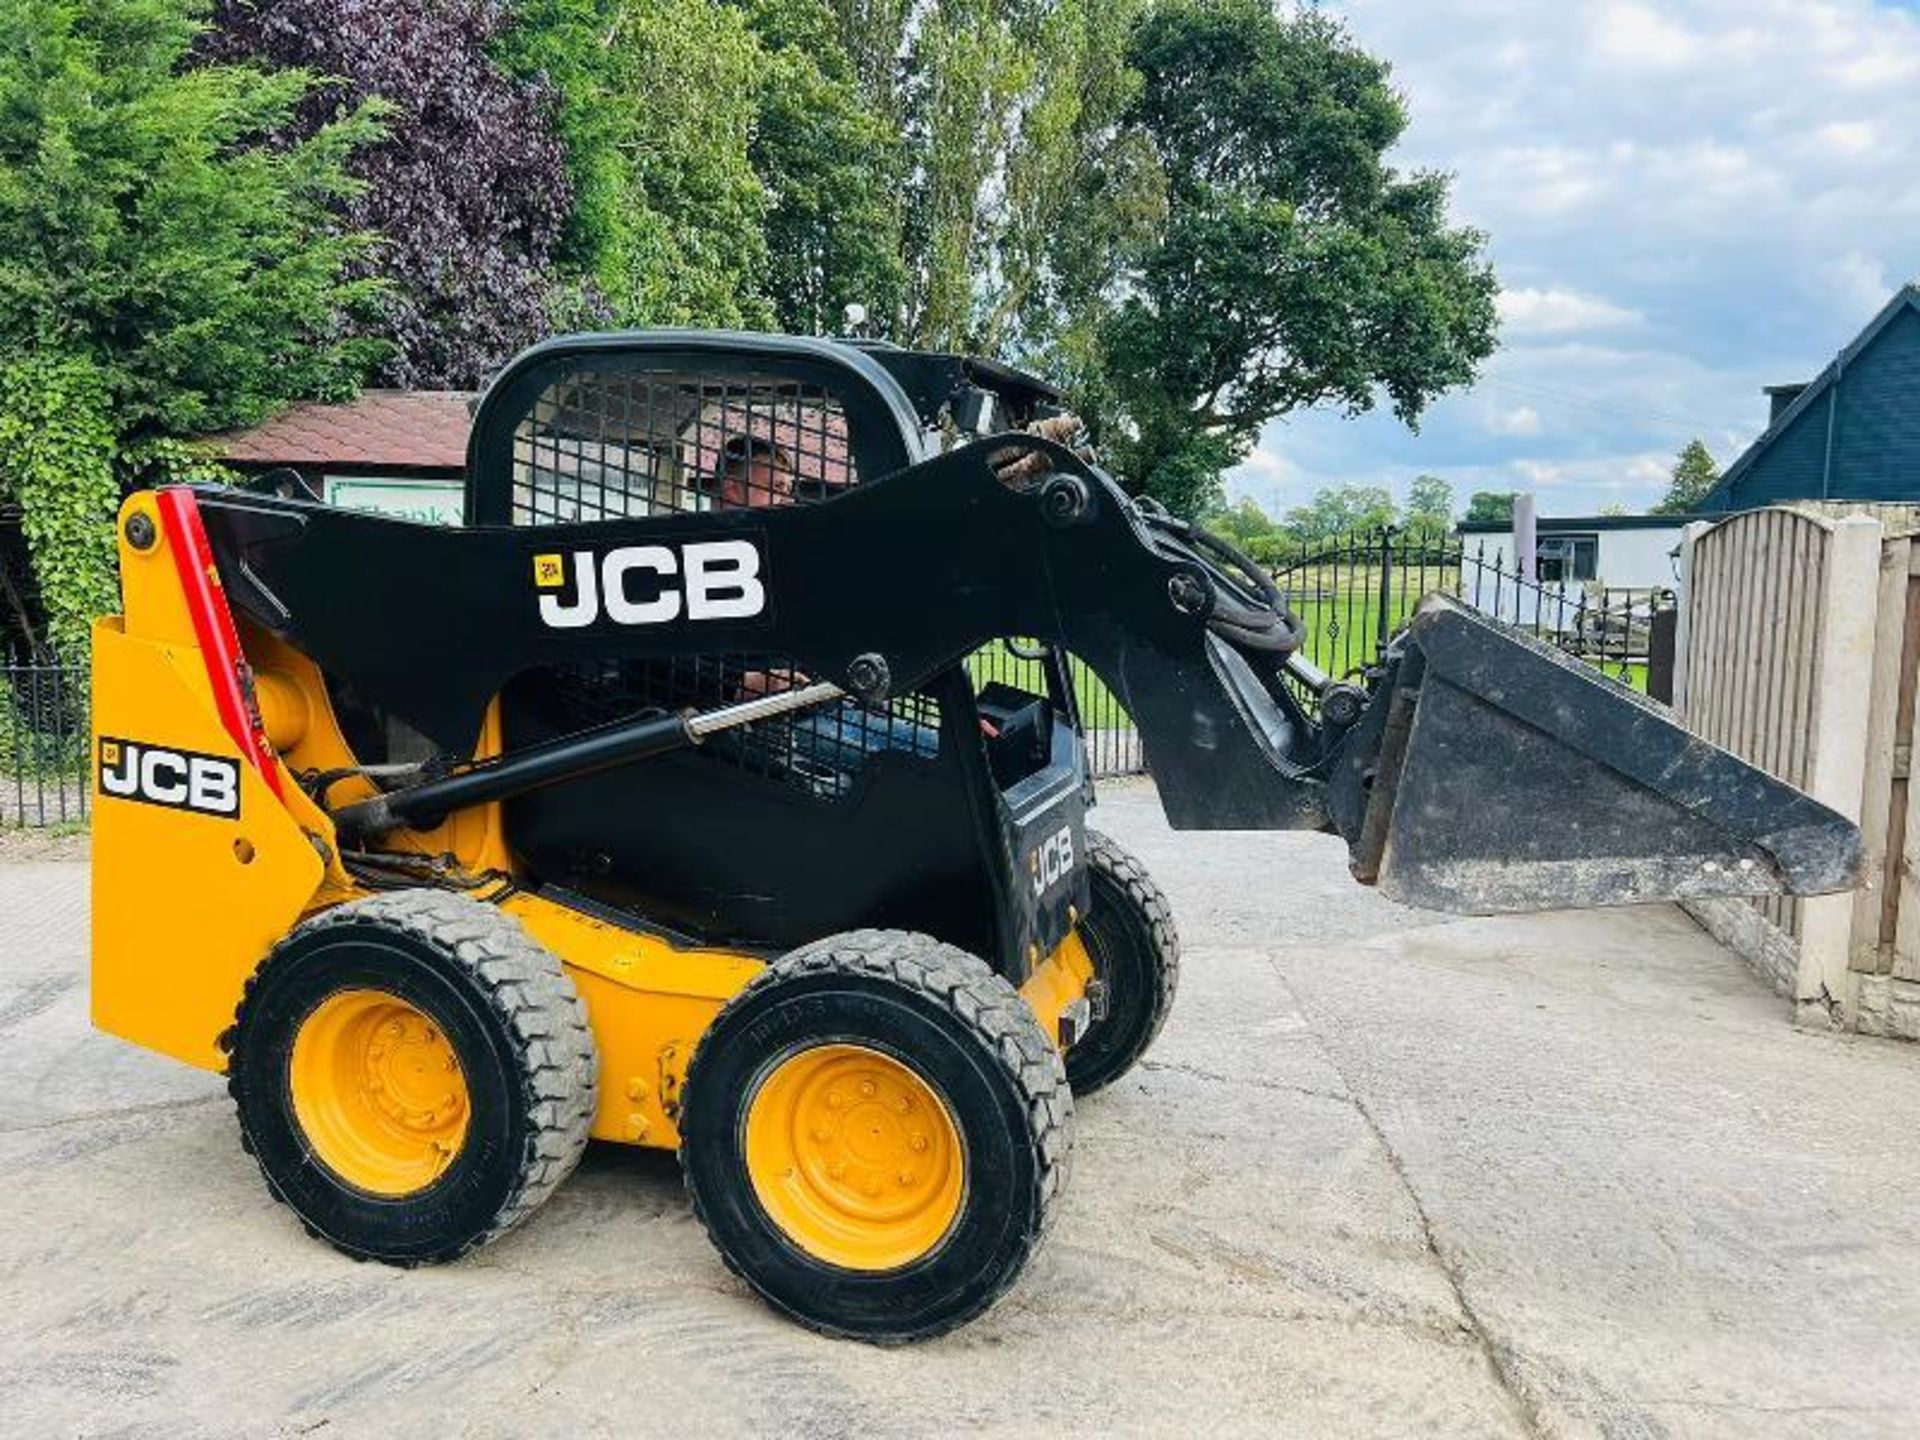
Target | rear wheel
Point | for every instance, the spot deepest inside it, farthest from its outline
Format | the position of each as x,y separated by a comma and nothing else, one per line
1135,952
874,1135
413,1073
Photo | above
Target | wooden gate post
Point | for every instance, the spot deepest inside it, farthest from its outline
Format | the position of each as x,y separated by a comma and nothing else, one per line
1689,537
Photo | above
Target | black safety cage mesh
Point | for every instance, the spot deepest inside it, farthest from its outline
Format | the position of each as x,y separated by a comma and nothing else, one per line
625,444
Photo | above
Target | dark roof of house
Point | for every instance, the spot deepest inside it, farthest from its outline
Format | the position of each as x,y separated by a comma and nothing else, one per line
1907,298
378,429
1561,524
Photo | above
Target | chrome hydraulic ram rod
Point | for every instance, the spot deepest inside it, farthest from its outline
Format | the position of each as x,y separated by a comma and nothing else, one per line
422,806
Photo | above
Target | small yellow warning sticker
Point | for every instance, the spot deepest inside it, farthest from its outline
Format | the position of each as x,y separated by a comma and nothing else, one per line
549,572
109,752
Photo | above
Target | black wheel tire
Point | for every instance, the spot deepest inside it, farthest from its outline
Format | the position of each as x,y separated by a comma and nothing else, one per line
1135,951
957,1025
516,1024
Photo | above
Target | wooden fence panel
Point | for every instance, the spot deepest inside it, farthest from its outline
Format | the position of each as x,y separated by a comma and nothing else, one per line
1785,614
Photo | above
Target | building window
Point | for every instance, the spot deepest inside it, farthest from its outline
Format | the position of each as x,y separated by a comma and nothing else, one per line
1567,557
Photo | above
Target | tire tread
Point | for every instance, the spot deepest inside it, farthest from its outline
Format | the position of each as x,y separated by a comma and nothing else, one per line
1109,858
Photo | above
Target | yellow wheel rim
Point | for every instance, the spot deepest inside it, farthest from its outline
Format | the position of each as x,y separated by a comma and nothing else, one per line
855,1157
378,1092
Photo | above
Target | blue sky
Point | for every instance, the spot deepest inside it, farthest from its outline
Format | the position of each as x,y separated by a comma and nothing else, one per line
1686,201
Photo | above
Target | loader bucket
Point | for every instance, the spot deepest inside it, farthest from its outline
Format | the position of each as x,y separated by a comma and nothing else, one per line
1511,777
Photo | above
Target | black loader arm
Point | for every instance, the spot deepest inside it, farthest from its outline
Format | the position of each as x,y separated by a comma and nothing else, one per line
1482,772
876,590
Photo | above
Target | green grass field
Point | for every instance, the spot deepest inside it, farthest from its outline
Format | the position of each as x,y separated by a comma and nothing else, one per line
1343,630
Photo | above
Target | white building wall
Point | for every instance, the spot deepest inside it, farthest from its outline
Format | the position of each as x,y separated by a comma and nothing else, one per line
1638,559
1628,559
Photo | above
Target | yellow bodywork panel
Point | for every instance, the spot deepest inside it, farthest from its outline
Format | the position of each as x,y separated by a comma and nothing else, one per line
648,1002
186,901
1057,982
299,717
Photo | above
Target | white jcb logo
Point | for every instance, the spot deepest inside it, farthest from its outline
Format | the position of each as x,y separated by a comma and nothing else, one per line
1051,860
177,779
652,584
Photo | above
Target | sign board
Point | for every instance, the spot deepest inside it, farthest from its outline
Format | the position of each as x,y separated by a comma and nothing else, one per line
437,502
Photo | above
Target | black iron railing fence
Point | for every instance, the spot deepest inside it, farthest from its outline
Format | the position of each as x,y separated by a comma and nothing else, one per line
1612,628
43,745
1352,591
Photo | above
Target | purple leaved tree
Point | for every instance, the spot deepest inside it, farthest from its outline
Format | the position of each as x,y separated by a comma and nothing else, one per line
468,193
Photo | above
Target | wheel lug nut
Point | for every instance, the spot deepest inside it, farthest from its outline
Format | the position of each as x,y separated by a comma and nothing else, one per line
918,1142
822,1133
835,1100
906,1178
866,1088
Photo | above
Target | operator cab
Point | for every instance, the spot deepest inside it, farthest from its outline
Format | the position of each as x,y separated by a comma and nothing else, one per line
943,811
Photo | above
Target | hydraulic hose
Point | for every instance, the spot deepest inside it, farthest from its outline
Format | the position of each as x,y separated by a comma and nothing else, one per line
1249,610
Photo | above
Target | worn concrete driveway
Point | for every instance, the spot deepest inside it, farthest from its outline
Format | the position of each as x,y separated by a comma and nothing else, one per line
1383,1175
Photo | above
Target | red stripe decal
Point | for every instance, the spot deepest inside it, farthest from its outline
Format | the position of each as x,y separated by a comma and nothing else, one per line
213,627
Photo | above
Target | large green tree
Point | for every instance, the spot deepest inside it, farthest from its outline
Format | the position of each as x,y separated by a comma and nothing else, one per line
831,169
1295,267
1429,505
1694,474
1343,510
163,271
658,100
1007,114
1491,507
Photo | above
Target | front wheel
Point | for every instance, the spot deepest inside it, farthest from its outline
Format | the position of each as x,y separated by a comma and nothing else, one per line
1135,954
874,1134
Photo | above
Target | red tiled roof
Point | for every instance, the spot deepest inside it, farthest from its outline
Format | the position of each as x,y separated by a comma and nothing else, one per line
425,429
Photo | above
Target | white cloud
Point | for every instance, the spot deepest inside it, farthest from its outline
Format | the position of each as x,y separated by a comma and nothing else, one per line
1847,138
1642,38
1686,199
1874,70
1520,420
1647,470
1857,282
1529,311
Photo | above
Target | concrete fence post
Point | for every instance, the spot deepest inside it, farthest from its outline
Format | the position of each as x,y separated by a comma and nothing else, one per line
1836,770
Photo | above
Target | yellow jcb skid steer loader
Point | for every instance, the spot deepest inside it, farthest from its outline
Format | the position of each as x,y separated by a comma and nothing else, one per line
655,805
